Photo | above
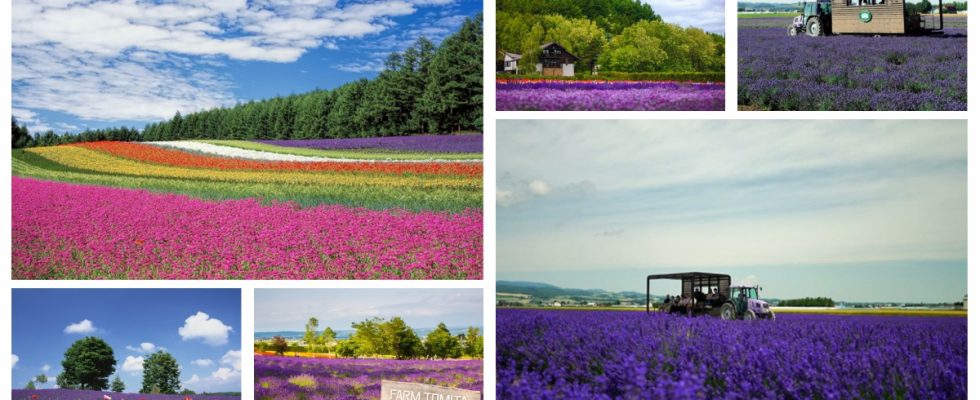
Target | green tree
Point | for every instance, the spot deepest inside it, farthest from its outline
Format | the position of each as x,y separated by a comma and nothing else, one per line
30,385
453,97
310,335
117,385
41,378
368,337
440,343
279,345
473,343
347,349
87,365
327,337
161,374
405,344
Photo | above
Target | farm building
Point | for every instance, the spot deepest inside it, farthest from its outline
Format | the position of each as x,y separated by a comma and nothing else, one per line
510,63
556,61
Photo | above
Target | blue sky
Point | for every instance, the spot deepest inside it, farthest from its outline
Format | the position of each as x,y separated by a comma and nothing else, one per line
289,309
80,65
201,328
705,14
600,204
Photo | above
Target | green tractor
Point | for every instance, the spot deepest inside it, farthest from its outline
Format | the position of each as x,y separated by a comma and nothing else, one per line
814,20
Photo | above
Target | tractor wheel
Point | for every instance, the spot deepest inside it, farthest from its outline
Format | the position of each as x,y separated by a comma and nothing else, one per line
792,31
814,27
727,312
748,316
772,315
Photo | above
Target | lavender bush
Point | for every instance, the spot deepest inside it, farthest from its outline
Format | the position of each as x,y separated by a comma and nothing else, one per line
347,379
609,96
65,394
417,143
549,354
857,73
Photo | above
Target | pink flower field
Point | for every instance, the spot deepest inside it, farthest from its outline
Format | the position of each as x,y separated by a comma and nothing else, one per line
74,231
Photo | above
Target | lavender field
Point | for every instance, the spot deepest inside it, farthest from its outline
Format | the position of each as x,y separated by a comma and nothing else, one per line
609,96
850,73
349,379
614,354
65,394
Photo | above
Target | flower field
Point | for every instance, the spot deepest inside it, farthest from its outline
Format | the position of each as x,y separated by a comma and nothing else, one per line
195,210
347,379
65,394
616,354
849,73
563,95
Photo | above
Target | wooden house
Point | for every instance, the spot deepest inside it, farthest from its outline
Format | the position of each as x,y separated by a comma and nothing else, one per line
510,63
556,61
872,17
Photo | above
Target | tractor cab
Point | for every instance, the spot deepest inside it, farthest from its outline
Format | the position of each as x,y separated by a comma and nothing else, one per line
748,304
814,19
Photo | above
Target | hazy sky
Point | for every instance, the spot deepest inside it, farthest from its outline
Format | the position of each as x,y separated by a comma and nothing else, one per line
762,199
705,14
289,309
92,64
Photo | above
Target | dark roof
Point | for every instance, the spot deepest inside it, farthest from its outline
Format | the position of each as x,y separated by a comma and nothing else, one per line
689,275
546,45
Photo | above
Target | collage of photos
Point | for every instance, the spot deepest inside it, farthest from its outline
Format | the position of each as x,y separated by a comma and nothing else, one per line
487,199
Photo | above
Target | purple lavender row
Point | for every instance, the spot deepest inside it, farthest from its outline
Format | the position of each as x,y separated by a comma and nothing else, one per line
618,96
417,143
549,354
851,73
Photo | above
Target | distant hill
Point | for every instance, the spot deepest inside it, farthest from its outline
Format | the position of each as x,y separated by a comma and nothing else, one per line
545,291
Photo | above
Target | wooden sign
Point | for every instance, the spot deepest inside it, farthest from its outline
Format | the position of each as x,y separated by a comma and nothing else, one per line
391,390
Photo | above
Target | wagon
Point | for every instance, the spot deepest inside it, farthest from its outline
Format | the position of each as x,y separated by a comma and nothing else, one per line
713,295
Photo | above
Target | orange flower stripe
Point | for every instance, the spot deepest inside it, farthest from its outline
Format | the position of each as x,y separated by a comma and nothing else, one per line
159,155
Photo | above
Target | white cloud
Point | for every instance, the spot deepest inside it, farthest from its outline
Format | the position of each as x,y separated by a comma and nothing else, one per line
85,326
201,326
203,362
133,365
129,60
229,375
232,358
539,187
13,360
145,347
45,368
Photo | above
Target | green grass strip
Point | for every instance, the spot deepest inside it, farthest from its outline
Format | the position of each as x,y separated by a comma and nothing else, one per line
366,154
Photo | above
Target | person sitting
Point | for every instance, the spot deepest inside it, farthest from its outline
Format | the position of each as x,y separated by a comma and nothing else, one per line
666,305
712,297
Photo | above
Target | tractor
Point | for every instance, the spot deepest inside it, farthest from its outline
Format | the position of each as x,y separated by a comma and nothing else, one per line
713,295
814,20
864,17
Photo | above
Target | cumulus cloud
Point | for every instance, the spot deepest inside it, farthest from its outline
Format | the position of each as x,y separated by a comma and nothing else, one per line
13,360
83,327
201,326
229,374
133,365
539,187
145,347
45,368
203,362
129,60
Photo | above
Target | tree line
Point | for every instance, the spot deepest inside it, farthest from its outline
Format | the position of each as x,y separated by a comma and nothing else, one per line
90,361
425,89
379,337
808,302
612,35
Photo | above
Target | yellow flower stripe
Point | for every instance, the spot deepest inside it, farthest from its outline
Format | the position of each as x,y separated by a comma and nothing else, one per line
82,158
